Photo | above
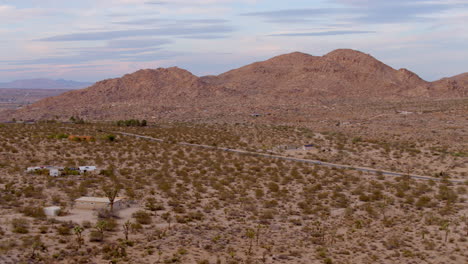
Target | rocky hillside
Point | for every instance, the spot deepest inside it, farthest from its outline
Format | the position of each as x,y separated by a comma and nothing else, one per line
456,85
295,79
138,94
339,74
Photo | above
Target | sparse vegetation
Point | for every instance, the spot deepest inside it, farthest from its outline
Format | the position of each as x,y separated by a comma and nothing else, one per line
195,205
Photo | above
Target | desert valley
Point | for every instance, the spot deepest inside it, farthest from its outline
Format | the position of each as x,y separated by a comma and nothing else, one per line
297,159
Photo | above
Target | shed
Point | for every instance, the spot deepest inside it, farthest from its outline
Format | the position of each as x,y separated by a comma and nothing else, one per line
84,169
55,172
96,203
33,169
52,210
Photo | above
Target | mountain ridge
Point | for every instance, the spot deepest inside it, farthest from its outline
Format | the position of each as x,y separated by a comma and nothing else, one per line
288,80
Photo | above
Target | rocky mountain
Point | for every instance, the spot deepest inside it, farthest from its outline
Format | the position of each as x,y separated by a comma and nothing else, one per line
143,93
288,81
454,85
44,84
341,73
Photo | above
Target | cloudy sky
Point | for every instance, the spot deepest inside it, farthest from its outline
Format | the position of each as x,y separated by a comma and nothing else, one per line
90,40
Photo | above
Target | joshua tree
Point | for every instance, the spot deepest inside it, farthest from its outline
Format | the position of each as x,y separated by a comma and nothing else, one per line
126,227
445,227
266,252
424,232
167,216
257,234
111,191
36,245
250,234
101,227
160,253
466,224
78,230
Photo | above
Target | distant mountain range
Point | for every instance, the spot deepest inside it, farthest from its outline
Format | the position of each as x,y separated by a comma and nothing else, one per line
287,84
45,84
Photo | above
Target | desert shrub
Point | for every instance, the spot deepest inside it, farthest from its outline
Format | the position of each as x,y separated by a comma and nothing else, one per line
20,225
95,236
322,195
106,214
165,186
305,207
271,204
447,194
56,199
461,190
64,229
152,205
107,172
43,229
111,225
268,214
31,191
393,242
273,187
340,200
259,193
7,245
77,120
110,137
142,217
189,217
114,250
423,201
61,136
364,198
180,209
33,211
68,171
86,224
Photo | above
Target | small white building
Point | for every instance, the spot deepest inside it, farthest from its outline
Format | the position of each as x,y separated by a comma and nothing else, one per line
52,210
33,169
55,172
58,171
84,169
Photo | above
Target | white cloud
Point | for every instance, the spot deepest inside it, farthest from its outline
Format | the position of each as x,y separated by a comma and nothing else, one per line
9,14
401,43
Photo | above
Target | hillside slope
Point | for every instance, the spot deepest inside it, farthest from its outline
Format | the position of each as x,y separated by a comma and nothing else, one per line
339,74
295,79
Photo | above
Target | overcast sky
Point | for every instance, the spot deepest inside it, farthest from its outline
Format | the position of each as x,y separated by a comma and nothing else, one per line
90,40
